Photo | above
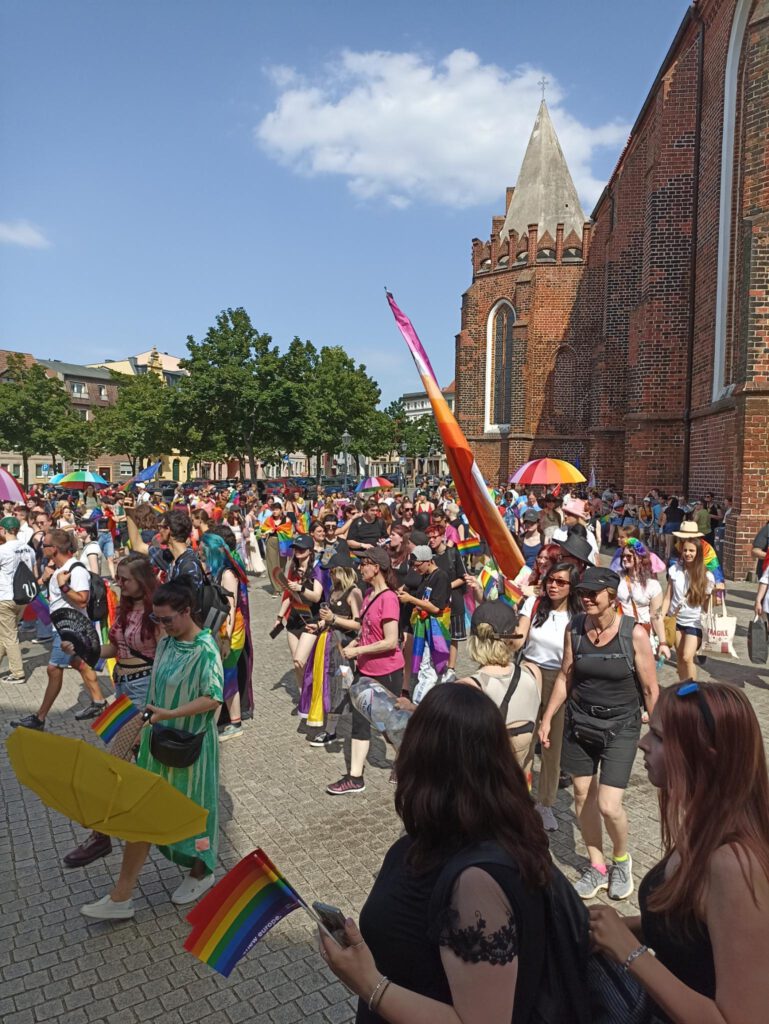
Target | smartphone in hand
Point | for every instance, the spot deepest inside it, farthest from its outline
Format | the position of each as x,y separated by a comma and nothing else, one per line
332,920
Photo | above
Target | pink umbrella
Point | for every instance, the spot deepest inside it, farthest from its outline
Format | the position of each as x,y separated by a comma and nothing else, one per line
10,489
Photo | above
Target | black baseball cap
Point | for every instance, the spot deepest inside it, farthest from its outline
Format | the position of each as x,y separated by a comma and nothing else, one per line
303,542
340,560
598,577
531,516
500,616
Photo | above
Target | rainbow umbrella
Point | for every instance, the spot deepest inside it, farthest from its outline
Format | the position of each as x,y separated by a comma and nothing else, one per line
81,479
373,483
547,471
57,479
10,489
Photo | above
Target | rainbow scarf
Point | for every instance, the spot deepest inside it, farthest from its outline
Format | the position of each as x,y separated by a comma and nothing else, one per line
471,546
234,915
435,632
114,717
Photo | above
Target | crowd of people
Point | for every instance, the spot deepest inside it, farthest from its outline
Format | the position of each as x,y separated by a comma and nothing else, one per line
387,587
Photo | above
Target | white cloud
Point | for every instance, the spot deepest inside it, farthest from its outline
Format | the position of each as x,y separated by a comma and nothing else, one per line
403,129
21,232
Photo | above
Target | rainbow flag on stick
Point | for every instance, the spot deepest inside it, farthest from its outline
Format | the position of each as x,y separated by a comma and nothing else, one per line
476,501
471,546
234,915
114,717
511,594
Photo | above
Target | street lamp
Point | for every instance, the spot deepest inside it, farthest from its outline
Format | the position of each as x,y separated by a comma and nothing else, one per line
346,438
402,464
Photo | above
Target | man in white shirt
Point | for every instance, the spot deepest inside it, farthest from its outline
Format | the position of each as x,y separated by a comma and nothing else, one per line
69,586
12,552
25,530
142,494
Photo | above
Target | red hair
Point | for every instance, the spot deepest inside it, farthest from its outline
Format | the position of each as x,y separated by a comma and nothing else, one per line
551,551
716,793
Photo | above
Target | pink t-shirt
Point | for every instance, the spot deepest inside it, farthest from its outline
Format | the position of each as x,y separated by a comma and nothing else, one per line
385,607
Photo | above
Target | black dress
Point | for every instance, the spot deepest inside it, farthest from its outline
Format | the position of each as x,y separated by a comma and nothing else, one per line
395,924
684,948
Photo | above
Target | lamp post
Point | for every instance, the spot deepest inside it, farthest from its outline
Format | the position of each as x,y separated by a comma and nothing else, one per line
346,438
402,464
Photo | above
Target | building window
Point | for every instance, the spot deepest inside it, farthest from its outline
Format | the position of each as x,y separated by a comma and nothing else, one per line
82,413
16,469
563,395
125,469
103,392
79,390
505,357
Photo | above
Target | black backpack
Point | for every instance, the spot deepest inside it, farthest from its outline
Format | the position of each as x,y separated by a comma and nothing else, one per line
25,588
563,995
213,604
96,609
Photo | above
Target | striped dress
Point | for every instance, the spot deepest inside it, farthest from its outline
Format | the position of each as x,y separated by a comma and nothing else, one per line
184,671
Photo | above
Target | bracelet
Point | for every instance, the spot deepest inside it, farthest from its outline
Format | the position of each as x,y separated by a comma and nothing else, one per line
638,951
333,620
383,981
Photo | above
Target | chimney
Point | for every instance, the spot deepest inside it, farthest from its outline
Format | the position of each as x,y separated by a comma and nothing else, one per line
508,196
587,229
477,245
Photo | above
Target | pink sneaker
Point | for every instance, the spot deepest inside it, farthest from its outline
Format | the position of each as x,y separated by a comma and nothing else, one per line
347,784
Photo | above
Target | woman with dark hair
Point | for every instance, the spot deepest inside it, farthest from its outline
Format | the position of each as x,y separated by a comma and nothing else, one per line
542,627
705,906
639,593
301,602
477,952
670,521
186,690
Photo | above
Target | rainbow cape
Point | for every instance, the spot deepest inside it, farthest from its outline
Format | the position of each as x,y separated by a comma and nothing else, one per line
114,717
285,534
234,915
435,632
711,561
471,546
477,503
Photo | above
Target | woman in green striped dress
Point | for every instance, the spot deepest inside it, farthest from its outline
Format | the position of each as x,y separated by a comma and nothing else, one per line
186,691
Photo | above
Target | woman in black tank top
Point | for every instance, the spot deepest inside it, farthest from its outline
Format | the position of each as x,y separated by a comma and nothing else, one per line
705,906
606,658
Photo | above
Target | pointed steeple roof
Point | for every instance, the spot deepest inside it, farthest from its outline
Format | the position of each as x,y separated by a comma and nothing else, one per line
545,194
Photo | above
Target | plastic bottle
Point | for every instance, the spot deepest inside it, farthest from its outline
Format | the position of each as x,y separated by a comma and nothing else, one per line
377,704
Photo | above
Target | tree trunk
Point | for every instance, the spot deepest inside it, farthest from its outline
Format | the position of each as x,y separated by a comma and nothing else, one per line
25,469
249,450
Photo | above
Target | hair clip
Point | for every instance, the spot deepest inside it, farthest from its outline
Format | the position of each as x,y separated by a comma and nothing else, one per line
691,686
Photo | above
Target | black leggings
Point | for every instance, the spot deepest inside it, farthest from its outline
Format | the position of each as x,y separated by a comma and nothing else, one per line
361,727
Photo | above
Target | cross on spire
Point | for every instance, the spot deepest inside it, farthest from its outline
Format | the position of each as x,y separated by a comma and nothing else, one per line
543,84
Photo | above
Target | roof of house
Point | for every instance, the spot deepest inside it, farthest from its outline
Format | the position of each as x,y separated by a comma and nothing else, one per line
75,369
545,193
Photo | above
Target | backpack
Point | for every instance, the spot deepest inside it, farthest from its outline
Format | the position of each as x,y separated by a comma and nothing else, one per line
562,993
25,588
625,636
213,604
96,609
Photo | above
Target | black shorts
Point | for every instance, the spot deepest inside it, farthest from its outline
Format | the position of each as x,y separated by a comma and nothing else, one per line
615,758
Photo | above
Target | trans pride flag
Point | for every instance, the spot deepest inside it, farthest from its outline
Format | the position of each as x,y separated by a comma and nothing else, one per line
477,503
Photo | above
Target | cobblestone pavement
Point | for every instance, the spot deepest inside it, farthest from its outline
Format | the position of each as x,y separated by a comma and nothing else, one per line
56,967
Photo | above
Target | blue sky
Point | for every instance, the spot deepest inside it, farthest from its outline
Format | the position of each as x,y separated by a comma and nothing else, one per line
161,160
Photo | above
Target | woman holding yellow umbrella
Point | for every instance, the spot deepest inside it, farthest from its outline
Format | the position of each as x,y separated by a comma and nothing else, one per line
185,692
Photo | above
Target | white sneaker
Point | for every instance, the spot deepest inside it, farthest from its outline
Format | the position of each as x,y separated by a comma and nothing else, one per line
107,909
192,889
549,820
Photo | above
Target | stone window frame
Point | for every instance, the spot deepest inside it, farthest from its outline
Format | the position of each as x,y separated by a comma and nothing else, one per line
489,426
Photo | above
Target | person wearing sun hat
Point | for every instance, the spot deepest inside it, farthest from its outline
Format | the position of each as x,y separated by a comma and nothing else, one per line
576,512
689,589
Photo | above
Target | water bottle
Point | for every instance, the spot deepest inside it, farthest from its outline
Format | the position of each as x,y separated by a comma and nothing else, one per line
377,704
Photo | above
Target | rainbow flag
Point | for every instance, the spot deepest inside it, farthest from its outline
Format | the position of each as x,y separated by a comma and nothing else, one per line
113,718
511,594
435,632
285,534
488,580
471,546
38,608
234,915
482,513
711,561
303,522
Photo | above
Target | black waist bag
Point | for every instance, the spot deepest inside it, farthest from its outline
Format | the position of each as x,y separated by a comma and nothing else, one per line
175,748
591,731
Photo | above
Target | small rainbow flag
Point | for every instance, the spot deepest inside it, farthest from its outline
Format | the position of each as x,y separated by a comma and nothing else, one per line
488,580
471,546
114,717
511,594
234,915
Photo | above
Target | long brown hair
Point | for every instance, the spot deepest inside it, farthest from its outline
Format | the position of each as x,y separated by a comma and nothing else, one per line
716,792
140,569
697,594
459,783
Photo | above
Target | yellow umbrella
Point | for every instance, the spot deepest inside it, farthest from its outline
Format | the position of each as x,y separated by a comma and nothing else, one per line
102,792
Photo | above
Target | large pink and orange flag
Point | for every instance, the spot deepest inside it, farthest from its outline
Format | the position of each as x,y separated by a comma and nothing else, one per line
476,501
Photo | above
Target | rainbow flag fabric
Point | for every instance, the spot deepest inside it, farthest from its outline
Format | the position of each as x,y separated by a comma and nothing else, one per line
38,608
285,534
114,717
433,631
488,580
511,594
478,505
234,915
471,546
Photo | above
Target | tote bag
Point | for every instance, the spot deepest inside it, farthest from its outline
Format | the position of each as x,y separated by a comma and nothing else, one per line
719,630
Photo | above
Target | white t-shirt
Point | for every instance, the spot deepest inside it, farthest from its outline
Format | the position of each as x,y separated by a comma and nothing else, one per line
79,580
91,548
685,614
544,646
25,532
11,554
764,579
642,596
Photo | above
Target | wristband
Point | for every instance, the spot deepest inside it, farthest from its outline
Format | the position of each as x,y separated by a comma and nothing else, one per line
631,957
65,588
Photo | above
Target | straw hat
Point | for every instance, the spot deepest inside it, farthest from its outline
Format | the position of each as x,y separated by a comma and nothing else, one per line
689,531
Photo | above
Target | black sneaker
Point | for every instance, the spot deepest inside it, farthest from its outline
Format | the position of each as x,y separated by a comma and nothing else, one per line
321,739
28,722
347,784
93,710
564,780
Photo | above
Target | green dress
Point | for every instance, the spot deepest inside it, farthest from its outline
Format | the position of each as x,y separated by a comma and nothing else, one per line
184,671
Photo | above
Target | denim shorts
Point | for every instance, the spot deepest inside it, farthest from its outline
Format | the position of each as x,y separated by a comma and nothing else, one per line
106,543
135,689
58,658
690,631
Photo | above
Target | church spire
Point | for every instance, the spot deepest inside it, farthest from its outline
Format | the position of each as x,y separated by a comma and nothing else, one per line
545,194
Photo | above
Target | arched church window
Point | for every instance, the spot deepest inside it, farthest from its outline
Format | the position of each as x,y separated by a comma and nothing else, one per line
505,363
564,387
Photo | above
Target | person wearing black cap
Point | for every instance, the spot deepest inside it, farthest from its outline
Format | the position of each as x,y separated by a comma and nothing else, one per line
432,599
530,539
606,657
493,630
301,602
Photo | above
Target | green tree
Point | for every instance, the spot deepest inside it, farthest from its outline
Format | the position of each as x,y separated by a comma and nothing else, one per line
236,390
139,424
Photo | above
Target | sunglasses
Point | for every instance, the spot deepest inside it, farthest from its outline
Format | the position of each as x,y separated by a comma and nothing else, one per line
694,688
589,594
558,583
163,620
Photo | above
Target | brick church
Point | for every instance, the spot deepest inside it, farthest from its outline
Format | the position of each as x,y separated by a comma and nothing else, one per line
636,340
